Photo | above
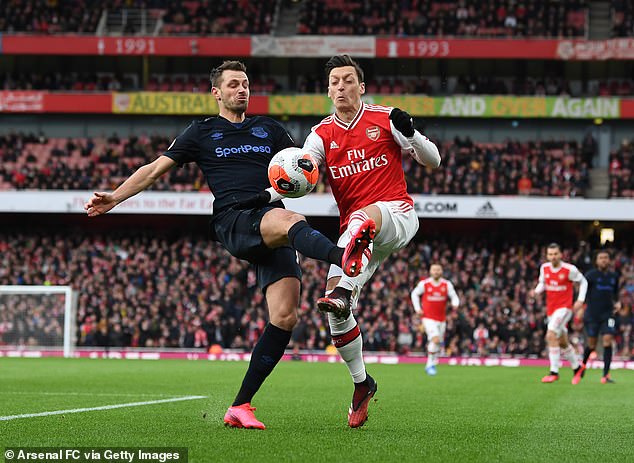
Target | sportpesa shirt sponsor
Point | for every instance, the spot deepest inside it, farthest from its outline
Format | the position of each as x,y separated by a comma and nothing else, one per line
234,158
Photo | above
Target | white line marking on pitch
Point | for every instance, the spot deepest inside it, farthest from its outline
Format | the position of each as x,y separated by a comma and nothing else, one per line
92,394
105,407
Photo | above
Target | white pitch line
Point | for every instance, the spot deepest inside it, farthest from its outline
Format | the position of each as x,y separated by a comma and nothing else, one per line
105,407
92,394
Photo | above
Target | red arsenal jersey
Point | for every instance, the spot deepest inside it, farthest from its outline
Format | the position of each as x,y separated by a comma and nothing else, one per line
363,159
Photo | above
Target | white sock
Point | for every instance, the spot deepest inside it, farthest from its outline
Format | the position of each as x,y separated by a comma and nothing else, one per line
347,338
554,354
432,353
570,355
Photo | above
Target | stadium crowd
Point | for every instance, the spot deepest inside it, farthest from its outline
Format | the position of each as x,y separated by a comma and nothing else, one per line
541,168
621,170
460,18
622,18
153,290
499,18
310,83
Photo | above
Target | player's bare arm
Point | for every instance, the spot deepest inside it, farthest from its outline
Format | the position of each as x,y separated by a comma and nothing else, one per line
102,202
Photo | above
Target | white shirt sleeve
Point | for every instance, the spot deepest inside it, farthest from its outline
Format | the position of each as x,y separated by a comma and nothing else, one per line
314,145
540,283
418,146
453,296
577,276
416,294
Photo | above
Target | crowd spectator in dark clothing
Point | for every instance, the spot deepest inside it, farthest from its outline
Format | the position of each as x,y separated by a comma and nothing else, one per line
141,290
540,168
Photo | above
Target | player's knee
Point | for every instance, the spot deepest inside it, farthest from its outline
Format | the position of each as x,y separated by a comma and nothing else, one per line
552,337
293,217
285,319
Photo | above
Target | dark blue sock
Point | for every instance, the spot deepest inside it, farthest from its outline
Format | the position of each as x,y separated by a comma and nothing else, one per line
313,244
586,354
607,360
266,354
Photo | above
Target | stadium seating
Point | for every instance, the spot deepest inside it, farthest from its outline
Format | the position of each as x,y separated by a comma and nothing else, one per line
150,290
621,170
565,18
311,84
622,18
548,168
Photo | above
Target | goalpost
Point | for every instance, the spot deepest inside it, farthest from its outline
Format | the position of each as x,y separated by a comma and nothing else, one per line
37,317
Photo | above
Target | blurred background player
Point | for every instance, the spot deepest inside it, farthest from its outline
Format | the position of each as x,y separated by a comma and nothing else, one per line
266,236
362,146
599,316
556,278
434,292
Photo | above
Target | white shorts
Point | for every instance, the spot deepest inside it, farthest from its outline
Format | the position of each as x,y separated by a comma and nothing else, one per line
558,320
434,328
399,225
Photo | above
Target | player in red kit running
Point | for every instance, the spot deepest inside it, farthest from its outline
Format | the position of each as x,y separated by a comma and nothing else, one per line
434,292
362,146
556,278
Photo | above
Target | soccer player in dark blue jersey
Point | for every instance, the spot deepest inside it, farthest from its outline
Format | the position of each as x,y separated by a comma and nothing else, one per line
233,151
598,318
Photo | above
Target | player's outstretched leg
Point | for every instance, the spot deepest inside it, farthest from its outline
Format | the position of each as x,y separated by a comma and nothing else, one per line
358,246
363,394
241,416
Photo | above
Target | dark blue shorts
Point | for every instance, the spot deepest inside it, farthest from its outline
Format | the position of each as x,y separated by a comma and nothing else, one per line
239,232
595,328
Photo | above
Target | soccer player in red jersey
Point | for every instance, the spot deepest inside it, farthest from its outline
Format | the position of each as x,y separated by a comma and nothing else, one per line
434,292
362,146
556,278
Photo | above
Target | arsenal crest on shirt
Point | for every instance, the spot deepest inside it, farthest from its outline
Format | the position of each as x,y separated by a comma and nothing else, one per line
373,133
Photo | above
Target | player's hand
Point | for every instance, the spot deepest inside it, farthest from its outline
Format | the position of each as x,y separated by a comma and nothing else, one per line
402,122
577,306
254,202
100,203
617,306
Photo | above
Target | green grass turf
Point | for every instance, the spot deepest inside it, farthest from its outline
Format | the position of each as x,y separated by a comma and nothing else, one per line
464,414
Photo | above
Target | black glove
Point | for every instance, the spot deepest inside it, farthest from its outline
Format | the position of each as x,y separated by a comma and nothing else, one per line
254,202
402,121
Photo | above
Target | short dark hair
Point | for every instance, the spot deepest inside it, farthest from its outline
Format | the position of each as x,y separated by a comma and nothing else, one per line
602,251
554,246
339,61
216,73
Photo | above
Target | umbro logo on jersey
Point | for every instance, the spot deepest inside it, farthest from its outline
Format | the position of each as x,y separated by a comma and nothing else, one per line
216,136
333,145
487,210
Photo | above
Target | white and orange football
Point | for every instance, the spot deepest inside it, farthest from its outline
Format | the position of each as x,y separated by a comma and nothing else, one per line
293,173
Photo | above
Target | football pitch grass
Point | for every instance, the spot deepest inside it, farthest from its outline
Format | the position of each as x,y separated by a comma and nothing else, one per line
464,414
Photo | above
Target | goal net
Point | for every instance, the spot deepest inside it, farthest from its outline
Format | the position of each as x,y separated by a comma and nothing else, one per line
37,317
